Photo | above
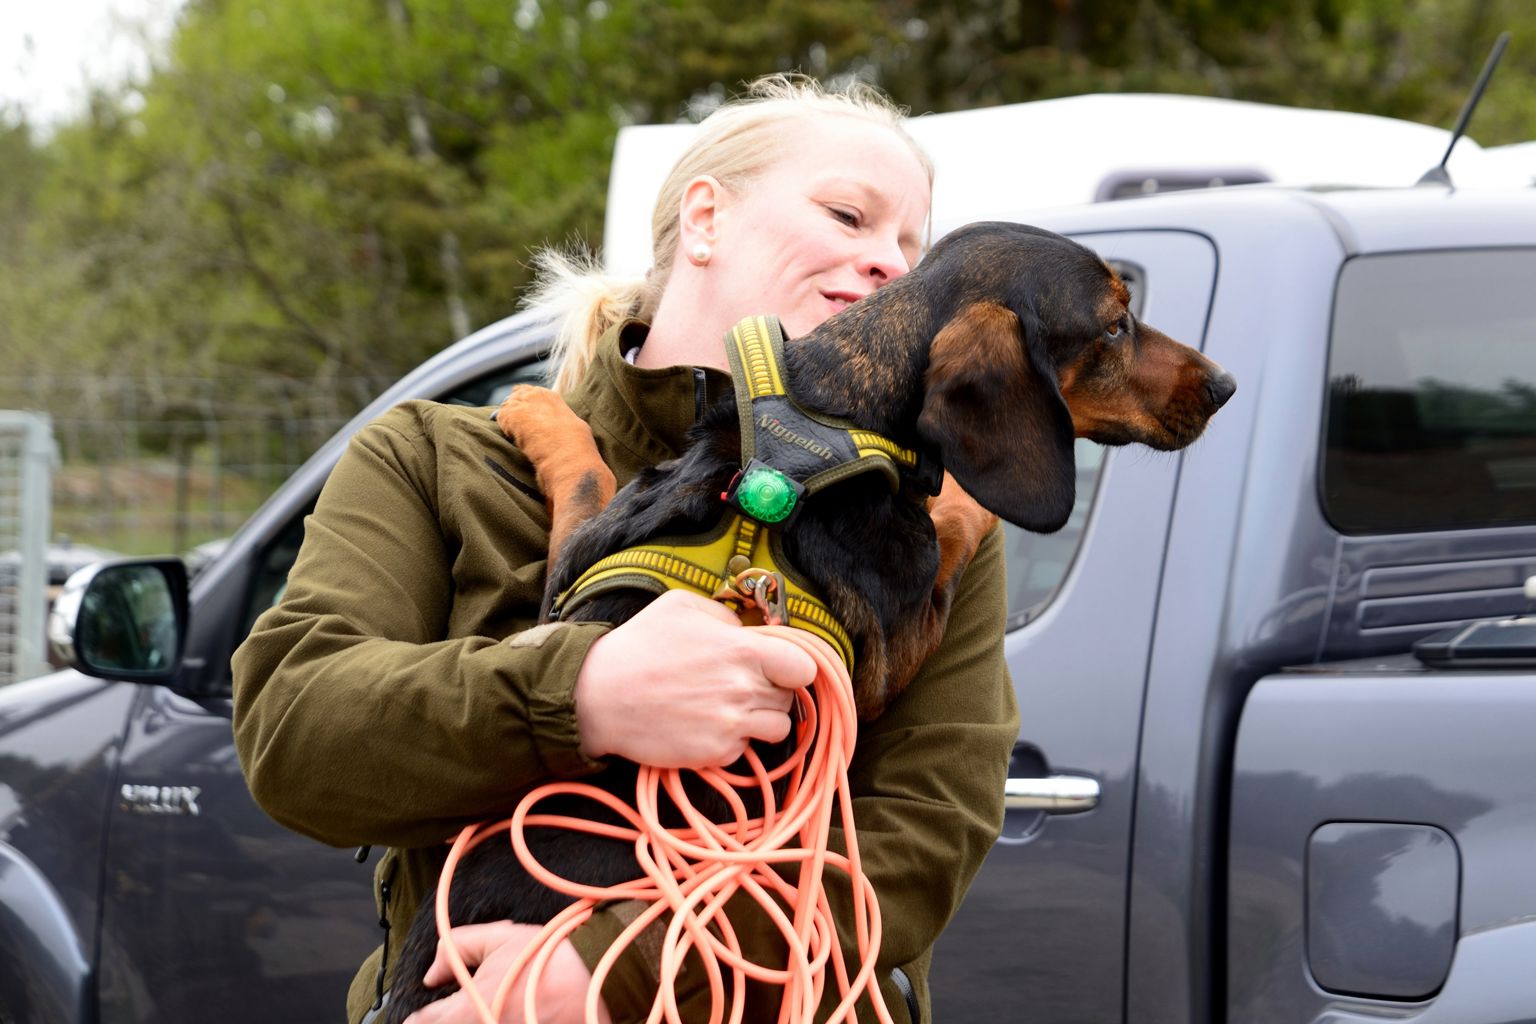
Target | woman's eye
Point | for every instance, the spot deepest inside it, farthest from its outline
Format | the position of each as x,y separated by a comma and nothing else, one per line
848,217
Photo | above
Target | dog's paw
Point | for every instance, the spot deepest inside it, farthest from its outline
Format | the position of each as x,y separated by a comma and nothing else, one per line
539,422
569,468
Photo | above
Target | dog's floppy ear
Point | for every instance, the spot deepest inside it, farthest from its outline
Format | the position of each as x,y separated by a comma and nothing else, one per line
994,411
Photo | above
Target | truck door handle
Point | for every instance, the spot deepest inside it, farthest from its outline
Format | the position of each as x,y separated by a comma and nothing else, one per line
1056,794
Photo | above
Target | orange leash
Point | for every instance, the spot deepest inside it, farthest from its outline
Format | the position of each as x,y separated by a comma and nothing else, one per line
693,872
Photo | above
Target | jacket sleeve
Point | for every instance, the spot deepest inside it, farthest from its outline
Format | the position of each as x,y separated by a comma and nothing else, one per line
355,719
927,780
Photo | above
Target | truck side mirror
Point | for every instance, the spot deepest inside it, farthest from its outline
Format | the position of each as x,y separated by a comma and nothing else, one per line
123,619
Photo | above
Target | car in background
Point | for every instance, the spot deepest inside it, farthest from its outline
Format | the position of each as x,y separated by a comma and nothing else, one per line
63,559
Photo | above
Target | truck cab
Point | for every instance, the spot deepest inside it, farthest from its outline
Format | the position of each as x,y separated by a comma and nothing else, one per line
1370,484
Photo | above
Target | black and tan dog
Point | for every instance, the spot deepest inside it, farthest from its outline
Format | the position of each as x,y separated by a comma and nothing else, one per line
1004,345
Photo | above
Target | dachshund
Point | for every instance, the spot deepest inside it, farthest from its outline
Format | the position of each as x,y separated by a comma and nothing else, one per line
1001,347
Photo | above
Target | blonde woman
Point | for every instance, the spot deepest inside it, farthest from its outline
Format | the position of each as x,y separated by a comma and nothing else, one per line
401,691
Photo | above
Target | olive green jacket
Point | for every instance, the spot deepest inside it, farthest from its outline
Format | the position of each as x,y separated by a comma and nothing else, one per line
395,694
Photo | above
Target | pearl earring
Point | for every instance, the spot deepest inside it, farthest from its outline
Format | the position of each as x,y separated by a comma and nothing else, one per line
700,254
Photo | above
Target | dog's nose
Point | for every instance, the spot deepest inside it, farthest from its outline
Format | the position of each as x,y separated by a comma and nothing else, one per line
1220,389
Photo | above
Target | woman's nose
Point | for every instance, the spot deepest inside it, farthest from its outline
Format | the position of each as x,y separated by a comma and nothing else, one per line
884,262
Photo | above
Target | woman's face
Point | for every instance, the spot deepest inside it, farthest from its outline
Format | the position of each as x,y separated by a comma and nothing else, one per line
840,214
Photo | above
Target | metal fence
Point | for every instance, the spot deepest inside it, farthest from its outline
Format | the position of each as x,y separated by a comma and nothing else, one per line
26,462
160,465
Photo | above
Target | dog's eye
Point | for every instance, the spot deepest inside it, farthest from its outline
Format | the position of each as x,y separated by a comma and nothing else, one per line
1116,329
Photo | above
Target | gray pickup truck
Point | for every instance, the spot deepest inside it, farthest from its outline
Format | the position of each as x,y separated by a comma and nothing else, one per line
1237,795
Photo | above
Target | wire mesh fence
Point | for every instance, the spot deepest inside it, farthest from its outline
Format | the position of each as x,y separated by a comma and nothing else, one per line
160,465
26,459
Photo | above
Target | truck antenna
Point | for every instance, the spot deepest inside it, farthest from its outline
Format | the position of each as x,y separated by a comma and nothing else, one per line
1437,175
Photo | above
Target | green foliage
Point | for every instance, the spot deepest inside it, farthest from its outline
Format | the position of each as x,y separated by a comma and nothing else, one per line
278,196
1414,59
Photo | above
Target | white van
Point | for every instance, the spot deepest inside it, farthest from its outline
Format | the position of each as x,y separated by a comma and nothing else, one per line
1053,153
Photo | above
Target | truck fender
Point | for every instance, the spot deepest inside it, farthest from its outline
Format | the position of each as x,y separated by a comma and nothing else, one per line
45,970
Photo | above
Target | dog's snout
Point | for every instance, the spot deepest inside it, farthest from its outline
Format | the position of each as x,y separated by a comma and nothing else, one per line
1220,389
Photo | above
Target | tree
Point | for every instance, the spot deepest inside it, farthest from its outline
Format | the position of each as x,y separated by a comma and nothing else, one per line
331,191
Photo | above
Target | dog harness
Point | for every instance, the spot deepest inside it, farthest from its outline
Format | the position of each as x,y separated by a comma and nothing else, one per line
788,455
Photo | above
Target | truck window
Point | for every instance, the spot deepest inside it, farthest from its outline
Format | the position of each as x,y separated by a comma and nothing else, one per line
1038,562
493,388
271,575
1431,406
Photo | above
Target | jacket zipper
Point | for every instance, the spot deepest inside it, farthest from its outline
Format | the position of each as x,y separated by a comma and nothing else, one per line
386,877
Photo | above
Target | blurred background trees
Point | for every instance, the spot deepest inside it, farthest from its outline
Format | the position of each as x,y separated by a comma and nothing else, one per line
322,194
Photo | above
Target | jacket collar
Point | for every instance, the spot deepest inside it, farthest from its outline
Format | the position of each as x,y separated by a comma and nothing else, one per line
641,416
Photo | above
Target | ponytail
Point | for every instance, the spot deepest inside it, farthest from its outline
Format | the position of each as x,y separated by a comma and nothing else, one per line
586,303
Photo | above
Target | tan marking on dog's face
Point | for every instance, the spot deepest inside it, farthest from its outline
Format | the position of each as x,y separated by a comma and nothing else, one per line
1134,384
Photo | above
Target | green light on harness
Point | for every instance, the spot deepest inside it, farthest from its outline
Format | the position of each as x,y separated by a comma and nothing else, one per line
766,494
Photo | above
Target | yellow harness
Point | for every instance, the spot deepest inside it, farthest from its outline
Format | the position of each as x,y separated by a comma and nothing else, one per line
787,455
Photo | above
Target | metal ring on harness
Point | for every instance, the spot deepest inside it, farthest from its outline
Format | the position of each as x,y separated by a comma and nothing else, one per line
754,589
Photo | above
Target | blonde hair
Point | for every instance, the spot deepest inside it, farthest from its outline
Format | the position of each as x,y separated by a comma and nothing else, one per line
733,145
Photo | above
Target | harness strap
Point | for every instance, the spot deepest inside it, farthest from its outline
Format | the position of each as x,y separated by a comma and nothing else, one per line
813,450
705,565
787,454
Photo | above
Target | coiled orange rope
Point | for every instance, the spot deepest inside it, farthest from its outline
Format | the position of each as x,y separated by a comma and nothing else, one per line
691,873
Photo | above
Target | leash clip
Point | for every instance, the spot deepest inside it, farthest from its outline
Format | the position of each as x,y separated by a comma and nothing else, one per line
758,589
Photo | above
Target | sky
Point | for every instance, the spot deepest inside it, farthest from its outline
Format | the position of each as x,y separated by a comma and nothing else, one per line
51,49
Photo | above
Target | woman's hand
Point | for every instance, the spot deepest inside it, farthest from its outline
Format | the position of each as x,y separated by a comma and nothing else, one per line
488,950
684,685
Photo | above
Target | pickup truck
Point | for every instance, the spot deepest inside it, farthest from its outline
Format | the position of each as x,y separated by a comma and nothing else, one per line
1236,797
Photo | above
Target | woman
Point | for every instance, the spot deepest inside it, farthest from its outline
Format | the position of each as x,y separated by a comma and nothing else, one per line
400,691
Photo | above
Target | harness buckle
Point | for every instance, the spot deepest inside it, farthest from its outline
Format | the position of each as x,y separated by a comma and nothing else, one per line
757,590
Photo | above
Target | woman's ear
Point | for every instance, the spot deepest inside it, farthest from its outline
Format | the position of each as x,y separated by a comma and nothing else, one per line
697,213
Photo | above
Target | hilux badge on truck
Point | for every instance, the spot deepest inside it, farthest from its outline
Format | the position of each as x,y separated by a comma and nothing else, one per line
161,799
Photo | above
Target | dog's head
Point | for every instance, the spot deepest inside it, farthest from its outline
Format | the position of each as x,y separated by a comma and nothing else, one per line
1042,348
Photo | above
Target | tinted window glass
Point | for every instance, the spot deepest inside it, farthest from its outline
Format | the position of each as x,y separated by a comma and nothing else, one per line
1431,420
278,557
271,577
1038,562
494,387
1134,277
